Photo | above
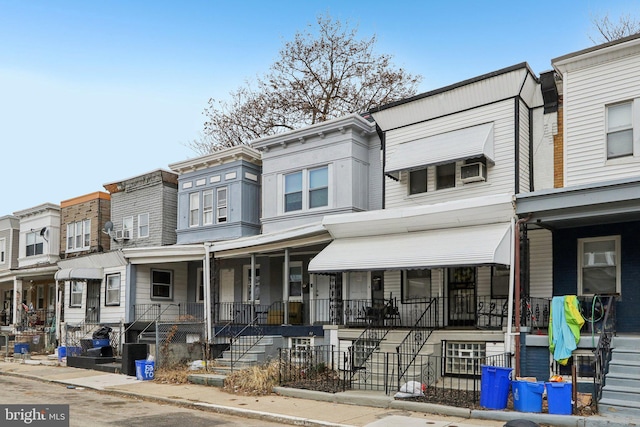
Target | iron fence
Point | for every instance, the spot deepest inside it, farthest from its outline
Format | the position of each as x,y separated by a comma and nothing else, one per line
178,344
447,380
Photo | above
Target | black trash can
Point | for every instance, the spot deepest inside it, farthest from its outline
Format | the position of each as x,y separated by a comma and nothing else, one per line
130,353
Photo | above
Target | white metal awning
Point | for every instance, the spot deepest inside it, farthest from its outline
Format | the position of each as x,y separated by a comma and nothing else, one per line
475,245
474,141
79,274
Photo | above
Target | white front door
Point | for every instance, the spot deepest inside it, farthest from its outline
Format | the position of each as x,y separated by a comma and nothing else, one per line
226,294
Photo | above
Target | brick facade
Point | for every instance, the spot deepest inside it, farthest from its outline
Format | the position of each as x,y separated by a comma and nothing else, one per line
95,207
558,150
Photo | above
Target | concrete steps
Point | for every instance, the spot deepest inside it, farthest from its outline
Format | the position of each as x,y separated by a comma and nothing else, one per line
621,393
265,349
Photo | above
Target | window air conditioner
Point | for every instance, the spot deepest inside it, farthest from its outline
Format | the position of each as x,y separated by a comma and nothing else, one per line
473,172
123,234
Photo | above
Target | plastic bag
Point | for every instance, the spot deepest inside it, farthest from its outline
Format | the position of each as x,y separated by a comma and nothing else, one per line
102,333
411,389
197,365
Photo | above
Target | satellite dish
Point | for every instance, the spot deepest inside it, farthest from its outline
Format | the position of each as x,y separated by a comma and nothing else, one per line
43,231
108,227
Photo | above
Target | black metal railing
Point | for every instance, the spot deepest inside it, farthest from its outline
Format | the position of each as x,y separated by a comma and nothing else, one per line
602,353
417,337
380,320
454,381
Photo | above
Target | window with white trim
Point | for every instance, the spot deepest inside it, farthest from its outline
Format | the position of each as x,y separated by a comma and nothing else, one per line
161,284
3,251
307,189
318,187
445,176
75,296
79,235
127,227
416,286
599,265
418,181
143,225
293,192
221,204
619,130
207,207
112,289
194,209
35,244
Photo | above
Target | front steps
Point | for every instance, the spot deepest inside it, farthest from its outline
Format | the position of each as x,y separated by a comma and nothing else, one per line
621,393
265,349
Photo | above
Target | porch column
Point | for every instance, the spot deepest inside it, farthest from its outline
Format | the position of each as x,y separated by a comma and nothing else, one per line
58,311
507,340
252,282
206,284
285,287
17,300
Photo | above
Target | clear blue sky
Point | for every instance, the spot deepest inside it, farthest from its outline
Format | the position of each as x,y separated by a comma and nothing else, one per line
93,92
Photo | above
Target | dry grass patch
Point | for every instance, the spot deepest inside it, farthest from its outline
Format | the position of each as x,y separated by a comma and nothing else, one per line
253,381
172,375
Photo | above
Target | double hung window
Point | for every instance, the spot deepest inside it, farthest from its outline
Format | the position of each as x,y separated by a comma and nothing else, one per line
620,130
599,265
306,189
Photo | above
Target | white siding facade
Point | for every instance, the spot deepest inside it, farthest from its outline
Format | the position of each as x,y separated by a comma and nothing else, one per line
590,86
500,177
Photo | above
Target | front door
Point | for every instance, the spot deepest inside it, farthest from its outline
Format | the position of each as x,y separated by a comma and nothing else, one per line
93,301
377,289
462,296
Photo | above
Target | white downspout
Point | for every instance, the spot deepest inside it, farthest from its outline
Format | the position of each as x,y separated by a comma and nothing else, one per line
17,300
512,275
58,312
285,287
206,279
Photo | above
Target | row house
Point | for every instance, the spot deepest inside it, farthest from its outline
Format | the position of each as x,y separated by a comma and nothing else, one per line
434,267
29,252
592,215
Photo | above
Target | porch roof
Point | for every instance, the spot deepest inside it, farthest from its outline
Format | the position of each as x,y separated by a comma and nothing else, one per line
79,273
274,241
498,208
604,202
473,245
462,144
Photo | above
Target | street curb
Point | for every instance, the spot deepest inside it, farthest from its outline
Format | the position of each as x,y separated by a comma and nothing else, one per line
227,410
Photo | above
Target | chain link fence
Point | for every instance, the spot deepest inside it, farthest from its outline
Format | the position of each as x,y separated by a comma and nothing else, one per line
178,344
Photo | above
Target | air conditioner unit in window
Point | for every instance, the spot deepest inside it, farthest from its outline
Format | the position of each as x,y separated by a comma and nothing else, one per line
123,234
473,172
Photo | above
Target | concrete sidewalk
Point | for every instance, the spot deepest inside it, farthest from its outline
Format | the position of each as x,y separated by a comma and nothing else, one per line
289,406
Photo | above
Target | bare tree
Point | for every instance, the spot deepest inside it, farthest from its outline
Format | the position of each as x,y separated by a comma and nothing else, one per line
608,31
318,76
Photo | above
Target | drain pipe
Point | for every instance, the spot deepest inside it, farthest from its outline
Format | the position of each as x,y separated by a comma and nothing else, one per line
517,290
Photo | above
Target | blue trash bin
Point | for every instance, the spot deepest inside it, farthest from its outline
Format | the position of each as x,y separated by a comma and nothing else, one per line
103,342
21,348
494,387
559,398
527,395
144,370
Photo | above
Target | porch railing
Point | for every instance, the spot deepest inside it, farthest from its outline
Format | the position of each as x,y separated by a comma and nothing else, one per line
602,353
416,338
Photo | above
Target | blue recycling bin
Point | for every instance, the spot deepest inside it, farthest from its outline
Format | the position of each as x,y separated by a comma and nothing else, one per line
21,348
144,370
494,387
559,398
527,395
103,342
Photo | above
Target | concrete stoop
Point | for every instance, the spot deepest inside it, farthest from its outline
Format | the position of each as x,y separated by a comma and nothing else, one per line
621,393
